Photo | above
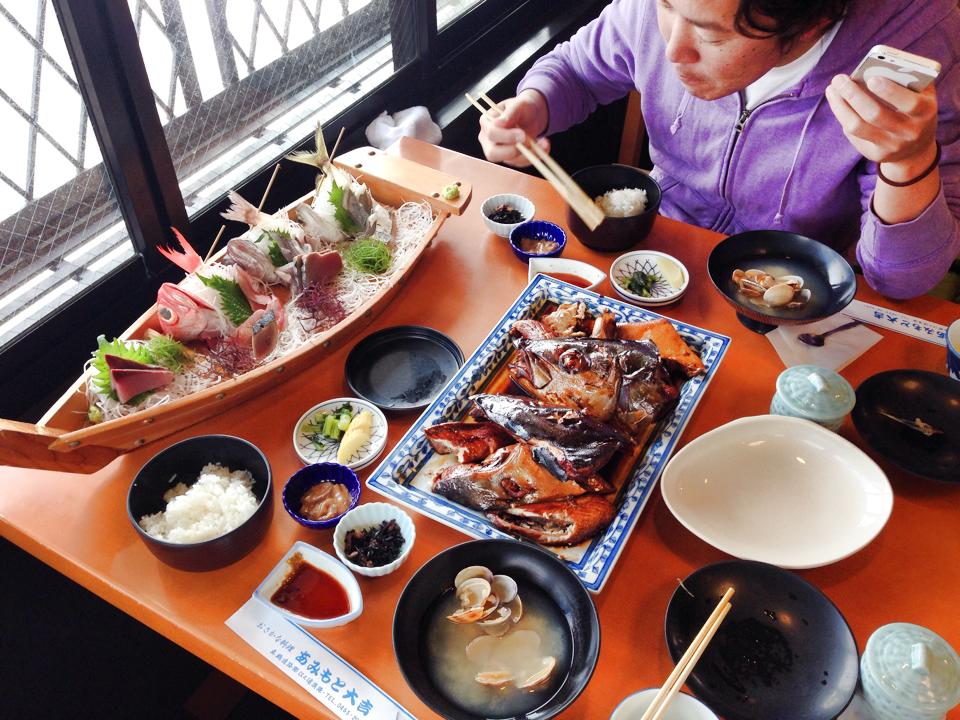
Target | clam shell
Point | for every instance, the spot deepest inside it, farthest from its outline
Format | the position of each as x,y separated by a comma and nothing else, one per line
751,288
465,616
516,609
498,625
473,592
495,678
794,281
800,299
490,605
738,275
540,676
474,571
779,295
754,274
504,587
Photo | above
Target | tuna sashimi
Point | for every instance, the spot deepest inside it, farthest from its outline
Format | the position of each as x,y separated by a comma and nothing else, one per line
129,378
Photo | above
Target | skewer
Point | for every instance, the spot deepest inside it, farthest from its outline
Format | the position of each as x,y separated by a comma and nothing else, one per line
581,203
686,663
263,201
336,145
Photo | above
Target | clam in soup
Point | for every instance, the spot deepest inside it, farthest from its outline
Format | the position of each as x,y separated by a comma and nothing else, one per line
496,659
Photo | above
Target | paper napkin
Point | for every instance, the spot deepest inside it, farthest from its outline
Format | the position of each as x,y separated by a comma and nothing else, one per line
838,351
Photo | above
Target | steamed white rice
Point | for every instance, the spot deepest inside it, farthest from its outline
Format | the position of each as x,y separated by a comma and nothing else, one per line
625,202
219,501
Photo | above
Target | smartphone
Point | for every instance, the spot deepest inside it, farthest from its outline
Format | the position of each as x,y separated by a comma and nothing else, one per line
911,71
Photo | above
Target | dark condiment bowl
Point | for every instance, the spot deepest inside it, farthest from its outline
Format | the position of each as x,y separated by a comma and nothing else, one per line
783,651
537,230
530,566
182,462
306,477
824,271
615,233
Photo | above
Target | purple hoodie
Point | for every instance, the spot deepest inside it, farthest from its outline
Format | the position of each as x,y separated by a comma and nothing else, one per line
791,167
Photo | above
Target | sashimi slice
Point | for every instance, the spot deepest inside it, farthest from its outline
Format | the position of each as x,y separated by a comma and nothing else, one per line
129,382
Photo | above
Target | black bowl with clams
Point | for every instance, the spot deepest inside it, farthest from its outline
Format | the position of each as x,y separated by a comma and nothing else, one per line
615,233
182,462
565,607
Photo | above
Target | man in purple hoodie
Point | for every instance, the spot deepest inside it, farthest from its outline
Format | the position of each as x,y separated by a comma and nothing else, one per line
754,122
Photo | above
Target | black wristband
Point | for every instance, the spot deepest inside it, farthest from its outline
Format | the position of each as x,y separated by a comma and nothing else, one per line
918,178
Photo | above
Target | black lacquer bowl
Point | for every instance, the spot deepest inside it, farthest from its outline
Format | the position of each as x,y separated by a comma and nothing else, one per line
784,650
531,567
889,406
615,233
182,462
825,273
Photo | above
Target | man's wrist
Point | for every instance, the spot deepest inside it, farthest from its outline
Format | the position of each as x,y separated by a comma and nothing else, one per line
903,171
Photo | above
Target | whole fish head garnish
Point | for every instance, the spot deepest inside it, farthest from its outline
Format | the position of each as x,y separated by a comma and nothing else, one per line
184,316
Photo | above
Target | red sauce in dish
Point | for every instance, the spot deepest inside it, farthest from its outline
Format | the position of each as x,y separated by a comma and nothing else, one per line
310,592
568,278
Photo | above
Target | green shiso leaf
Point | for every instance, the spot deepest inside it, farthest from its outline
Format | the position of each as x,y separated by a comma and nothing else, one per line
128,351
235,305
276,257
368,255
344,219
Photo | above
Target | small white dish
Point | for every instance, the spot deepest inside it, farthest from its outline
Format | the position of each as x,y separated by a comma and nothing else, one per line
371,515
590,275
673,278
517,202
683,707
321,561
780,490
310,452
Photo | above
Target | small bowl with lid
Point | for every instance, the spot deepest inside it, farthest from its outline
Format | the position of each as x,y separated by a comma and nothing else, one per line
908,671
813,393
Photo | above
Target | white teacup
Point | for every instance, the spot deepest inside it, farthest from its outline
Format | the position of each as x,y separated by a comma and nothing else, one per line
683,707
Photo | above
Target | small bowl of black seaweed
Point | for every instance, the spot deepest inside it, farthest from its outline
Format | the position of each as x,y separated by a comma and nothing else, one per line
374,539
502,213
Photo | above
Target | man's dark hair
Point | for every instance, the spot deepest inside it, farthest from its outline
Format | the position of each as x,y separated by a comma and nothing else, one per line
786,19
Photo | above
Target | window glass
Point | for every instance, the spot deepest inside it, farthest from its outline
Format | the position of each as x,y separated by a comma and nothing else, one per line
450,10
60,225
239,82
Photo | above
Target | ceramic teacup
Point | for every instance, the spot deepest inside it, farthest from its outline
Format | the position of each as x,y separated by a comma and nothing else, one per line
953,349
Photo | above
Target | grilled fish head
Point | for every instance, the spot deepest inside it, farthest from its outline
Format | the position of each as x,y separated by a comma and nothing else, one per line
560,522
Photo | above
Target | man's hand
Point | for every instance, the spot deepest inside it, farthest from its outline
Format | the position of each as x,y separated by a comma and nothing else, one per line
518,117
890,124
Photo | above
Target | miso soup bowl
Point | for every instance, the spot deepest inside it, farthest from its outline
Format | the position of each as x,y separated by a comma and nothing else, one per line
615,233
529,566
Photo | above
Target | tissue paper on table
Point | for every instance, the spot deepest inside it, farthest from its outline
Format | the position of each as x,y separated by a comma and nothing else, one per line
413,122
838,351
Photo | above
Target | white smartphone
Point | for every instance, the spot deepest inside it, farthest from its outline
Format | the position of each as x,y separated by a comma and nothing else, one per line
911,71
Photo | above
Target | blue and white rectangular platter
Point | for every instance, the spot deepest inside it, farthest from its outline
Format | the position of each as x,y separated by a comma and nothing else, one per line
407,472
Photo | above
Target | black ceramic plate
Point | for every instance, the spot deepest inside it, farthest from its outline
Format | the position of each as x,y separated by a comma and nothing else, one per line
784,651
531,567
403,367
828,276
888,407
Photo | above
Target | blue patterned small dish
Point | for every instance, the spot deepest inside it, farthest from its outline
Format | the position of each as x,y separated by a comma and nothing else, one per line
668,277
537,230
306,477
311,450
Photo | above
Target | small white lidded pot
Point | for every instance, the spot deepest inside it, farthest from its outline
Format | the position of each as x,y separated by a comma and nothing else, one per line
813,393
909,673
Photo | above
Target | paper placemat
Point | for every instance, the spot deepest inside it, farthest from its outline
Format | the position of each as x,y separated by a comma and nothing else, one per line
345,691
838,350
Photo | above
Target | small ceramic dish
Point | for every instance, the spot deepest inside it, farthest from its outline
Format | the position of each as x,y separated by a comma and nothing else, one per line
321,561
517,202
574,272
537,230
669,275
308,426
306,477
683,707
368,516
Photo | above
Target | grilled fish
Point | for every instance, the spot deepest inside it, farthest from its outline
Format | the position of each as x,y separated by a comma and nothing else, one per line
559,522
567,442
509,476
611,380
470,441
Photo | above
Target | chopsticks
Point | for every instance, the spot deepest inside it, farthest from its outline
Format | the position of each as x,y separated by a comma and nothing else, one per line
579,201
685,666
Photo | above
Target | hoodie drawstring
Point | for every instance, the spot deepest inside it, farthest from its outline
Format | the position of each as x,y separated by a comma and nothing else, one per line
778,218
677,121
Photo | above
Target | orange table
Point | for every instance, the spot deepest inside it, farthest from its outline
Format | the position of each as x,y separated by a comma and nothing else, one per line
78,524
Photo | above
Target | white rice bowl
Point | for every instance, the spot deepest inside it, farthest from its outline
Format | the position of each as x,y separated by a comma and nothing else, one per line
624,202
219,501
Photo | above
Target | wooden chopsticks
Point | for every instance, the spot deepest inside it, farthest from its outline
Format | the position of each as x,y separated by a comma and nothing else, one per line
686,663
579,201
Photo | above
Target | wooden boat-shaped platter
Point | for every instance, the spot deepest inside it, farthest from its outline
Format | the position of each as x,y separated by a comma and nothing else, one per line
63,440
